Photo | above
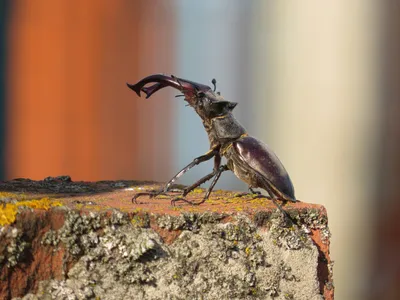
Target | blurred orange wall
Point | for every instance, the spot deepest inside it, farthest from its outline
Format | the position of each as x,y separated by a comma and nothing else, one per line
68,109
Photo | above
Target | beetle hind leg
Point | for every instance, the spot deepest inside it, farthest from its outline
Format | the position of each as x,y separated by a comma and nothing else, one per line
254,192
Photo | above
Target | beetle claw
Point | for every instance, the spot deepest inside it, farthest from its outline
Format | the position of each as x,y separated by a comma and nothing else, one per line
151,194
177,199
155,193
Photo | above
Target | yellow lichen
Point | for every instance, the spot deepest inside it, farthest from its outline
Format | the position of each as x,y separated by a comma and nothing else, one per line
139,221
8,195
257,237
197,191
79,205
8,212
163,197
44,203
253,291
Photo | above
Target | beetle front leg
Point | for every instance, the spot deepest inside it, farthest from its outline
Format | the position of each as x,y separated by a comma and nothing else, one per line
207,195
195,162
217,164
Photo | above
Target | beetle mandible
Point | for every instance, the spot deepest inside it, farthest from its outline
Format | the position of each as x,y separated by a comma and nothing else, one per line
248,158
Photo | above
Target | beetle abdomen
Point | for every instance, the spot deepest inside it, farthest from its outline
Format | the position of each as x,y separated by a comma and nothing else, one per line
259,157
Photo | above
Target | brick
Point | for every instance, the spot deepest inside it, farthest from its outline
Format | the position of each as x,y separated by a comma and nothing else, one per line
94,242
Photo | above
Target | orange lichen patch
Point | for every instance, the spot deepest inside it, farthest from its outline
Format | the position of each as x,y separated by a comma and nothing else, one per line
8,212
168,236
324,274
140,220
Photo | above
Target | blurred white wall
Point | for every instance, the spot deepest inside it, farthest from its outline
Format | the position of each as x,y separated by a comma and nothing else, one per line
316,82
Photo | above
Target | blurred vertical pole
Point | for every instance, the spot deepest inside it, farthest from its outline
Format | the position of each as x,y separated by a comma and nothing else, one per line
3,33
317,80
69,110
385,276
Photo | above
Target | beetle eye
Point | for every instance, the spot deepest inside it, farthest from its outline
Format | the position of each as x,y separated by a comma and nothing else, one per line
201,94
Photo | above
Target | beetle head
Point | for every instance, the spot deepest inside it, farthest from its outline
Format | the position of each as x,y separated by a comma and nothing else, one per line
206,102
209,105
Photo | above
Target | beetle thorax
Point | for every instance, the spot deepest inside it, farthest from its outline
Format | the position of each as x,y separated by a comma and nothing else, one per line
212,136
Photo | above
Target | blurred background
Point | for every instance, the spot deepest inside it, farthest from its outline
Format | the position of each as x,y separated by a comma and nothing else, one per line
318,81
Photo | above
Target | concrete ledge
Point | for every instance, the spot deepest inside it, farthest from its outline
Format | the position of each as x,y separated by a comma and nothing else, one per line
82,240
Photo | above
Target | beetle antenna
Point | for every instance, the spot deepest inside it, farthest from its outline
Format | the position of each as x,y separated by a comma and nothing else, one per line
214,82
179,96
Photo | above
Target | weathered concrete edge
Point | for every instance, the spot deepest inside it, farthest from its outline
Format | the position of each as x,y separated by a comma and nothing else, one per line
35,225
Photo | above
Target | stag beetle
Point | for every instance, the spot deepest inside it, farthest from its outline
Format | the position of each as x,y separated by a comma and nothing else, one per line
248,158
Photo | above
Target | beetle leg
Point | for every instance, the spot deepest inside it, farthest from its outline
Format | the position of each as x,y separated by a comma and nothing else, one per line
217,163
254,192
274,197
195,162
198,183
220,170
217,174
152,194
